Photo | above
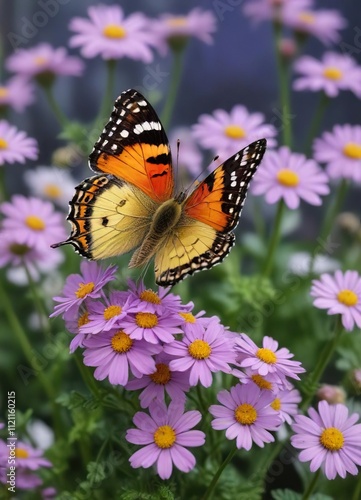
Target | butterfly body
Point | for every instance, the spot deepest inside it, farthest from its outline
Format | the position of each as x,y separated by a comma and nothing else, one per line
132,205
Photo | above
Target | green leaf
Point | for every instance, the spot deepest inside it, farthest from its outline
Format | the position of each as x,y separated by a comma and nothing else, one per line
285,495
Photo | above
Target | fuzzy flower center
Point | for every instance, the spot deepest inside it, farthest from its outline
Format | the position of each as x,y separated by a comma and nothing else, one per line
177,22
261,382
21,453
114,31
234,132
111,311
40,60
306,17
162,375
266,355
3,143
188,317
332,73
121,342
146,320
19,249
35,223
52,191
276,404
83,319
332,439
245,414
150,296
3,92
199,349
347,297
288,178
164,437
352,150
84,289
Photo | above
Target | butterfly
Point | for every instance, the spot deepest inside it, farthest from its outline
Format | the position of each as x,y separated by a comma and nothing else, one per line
131,204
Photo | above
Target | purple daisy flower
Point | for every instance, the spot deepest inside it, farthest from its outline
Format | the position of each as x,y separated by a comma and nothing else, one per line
267,10
267,359
175,30
286,403
15,145
114,354
340,150
226,133
26,457
329,439
291,177
165,433
162,380
247,415
202,351
111,35
333,73
25,480
339,294
17,93
74,320
79,287
152,326
270,382
108,315
36,220
44,59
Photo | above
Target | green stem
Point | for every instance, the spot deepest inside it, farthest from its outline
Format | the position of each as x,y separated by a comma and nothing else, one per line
316,122
357,491
54,106
283,80
3,195
41,310
313,379
108,96
311,485
274,239
87,377
176,74
211,487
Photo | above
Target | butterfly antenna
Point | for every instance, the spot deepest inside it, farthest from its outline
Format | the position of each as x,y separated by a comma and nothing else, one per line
202,175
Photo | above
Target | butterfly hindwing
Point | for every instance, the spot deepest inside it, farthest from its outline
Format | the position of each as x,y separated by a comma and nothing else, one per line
134,147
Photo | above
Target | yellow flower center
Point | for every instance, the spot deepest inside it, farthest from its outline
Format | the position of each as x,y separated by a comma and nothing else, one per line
352,150
188,317
3,92
3,143
84,289
164,437
276,404
332,73
306,17
52,191
18,249
261,382
21,453
332,439
347,297
162,375
35,223
235,132
83,319
199,349
177,22
150,296
146,320
266,355
111,311
121,342
114,31
287,177
40,60
245,414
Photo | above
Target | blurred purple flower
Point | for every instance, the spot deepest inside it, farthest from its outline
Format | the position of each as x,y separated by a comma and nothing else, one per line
26,456
16,93
266,10
291,177
15,145
51,183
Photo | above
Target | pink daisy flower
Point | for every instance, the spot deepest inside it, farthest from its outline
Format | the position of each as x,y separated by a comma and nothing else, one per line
267,383
267,359
43,59
329,439
339,294
51,183
16,93
161,381
115,354
247,415
286,403
111,35
266,10
25,480
104,316
202,351
164,434
226,133
291,177
79,287
153,327
333,73
15,145
36,220
26,457
175,30
340,150
74,320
